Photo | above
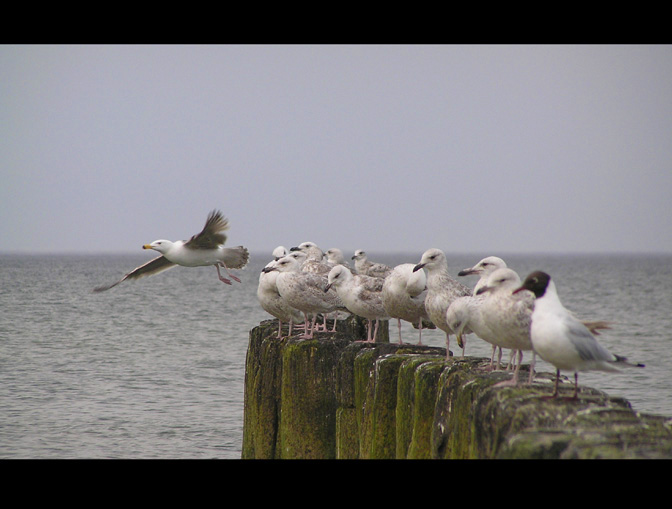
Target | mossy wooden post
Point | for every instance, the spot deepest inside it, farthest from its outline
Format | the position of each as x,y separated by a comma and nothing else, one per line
263,372
308,395
347,426
383,416
335,398
426,388
452,433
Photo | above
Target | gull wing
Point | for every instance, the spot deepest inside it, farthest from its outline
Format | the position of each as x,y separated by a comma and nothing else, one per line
150,268
211,237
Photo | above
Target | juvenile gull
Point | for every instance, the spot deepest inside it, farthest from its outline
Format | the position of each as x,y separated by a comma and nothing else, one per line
279,252
204,248
483,269
367,268
304,291
403,296
442,290
335,256
362,295
315,261
273,303
562,340
507,315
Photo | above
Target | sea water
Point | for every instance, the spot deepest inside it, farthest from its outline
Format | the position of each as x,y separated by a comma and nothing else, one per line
155,368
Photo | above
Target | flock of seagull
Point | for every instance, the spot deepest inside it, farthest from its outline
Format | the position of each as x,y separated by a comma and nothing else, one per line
305,283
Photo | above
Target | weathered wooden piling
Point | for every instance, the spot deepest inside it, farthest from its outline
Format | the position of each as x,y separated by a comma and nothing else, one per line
334,398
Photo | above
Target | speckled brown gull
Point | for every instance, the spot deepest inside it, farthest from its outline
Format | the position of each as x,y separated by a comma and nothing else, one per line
507,315
368,268
305,291
442,290
362,296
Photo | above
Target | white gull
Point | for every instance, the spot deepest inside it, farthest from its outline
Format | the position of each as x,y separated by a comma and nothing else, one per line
561,339
204,248
404,293
271,301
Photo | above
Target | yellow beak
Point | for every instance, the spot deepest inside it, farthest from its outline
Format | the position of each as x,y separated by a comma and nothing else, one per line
146,246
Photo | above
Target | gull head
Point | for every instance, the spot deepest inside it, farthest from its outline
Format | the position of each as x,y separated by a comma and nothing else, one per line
485,266
431,259
500,278
162,246
337,276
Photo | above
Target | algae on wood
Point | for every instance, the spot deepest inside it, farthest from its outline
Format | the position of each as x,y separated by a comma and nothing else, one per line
332,397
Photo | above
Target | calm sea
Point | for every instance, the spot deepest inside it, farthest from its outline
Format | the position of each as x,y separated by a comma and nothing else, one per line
155,368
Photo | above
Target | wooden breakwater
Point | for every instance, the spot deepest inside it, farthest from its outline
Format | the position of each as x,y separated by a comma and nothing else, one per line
334,398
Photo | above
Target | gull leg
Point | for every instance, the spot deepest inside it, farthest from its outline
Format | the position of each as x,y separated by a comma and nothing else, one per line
235,278
309,328
534,360
333,328
222,278
514,379
555,392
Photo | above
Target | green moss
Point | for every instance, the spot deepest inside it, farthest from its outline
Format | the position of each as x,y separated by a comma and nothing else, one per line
334,398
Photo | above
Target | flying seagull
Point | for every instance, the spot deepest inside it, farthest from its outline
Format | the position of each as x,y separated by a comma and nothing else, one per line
205,248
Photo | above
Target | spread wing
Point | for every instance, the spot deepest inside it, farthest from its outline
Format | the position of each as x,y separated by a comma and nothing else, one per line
150,268
211,237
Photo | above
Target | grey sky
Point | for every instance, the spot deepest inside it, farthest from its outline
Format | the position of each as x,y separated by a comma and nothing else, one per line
479,149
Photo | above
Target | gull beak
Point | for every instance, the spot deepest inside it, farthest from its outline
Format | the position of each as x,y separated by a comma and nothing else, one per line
466,272
418,267
327,288
147,246
519,289
484,289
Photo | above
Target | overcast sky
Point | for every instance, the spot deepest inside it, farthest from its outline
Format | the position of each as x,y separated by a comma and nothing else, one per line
477,149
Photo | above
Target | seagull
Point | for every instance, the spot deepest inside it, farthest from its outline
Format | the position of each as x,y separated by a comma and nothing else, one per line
304,291
507,315
368,268
442,290
483,269
314,261
362,295
204,248
463,316
335,257
562,340
273,303
403,296
279,252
